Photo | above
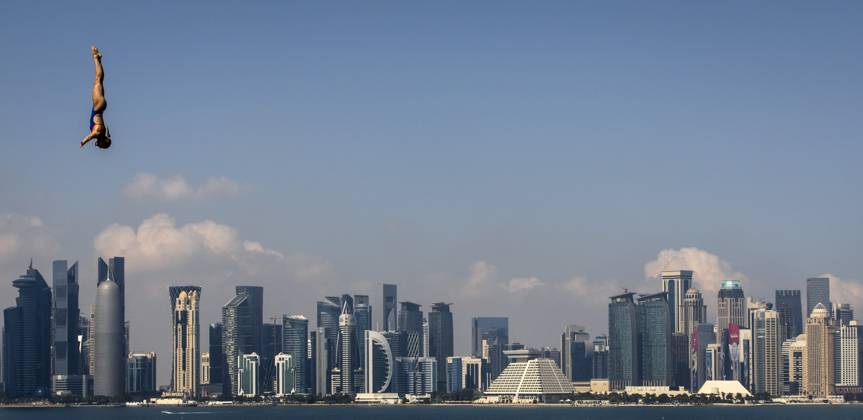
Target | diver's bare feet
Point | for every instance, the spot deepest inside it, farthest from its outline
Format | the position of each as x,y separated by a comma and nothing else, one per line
95,51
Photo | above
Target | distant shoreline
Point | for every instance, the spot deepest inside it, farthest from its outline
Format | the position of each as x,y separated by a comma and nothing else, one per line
475,405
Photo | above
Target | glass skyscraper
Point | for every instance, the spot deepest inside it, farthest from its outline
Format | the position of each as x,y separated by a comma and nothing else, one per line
623,357
389,314
788,304
440,338
295,333
489,337
818,291
654,329
26,338
676,284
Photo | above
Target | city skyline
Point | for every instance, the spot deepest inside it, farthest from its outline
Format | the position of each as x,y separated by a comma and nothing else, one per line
523,162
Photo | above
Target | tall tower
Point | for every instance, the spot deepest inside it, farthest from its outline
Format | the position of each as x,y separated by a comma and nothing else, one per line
676,284
766,351
27,338
295,333
440,338
411,323
217,358
347,335
363,315
574,353
694,310
110,363
788,304
239,336
818,374
623,343
490,335
65,319
655,351
731,306
849,350
389,314
379,365
818,291
185,373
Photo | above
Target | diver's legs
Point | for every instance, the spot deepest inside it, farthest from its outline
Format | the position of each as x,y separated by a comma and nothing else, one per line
99,103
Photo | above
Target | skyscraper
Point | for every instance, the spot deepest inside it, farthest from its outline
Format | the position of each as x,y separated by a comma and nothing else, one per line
285,375
818,291
347,350
389,314
818,373
843,313
793,350
328,312
248,372
273,341
489,337
27,338
141,374
217,358
788,304
379,366
238,337
676,284
702,336
363,316
65,323
766,351
186,354
731,306
623,357
205,368
694,310
440,338
575,353
110,375
323,347
411,323
600,357
849,350
256,309
654,327
295,333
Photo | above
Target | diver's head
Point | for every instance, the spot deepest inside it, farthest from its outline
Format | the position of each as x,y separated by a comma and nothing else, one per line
103,141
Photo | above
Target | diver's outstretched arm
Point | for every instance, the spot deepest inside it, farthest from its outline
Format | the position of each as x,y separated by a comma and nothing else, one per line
89,137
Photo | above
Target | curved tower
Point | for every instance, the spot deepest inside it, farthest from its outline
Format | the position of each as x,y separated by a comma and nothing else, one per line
110,335
379,366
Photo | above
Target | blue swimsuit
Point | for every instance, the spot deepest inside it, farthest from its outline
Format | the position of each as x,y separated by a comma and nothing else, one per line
93,114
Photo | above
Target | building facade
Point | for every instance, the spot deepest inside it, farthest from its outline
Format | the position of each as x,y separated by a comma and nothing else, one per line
27,338
624,367
285,375
655,346
248,375
818,291
389,314
295,333
440,338
789,306
186,352
849,345
489,337
111,344
141,374
818,370
676,284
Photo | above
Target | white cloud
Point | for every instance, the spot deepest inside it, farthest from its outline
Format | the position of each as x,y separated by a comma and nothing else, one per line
582,287
159,244
22,237
709,269
522,284
481,274
149,186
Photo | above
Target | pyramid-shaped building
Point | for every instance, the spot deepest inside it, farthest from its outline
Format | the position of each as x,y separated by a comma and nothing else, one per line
529,378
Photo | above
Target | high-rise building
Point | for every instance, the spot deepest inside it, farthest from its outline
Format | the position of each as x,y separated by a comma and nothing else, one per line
694,310
788,304
256,308
467,373
713,362
679,360
217,358
273,341
676,284
205,368
323,347
347,347
766,351
91,340
489,337
328,312
818,291
731,306
27,338
793,350
624,367
379,366
600,357
295,333
186,354
702,336
411,324
440,338
843,314
576,351
818,374
65,319
248,375
285,375
238,337
363,316
416,375
655,347
111,344
389,314
849,345
141,374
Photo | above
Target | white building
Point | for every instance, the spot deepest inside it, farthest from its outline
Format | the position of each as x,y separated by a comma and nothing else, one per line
724,388
849,353
248,374
379,366
205,368
529,378
186,378
284,375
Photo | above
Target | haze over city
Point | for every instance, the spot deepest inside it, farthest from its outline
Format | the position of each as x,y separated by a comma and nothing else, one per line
516,161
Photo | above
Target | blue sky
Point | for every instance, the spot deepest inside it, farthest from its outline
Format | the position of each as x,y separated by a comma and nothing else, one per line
432,144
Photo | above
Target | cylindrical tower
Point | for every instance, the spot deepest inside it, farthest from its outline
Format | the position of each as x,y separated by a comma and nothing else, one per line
110,360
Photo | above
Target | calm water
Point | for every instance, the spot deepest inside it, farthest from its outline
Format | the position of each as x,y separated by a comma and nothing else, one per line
844,412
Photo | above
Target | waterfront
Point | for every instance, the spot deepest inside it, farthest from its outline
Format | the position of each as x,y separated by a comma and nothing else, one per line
772,412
